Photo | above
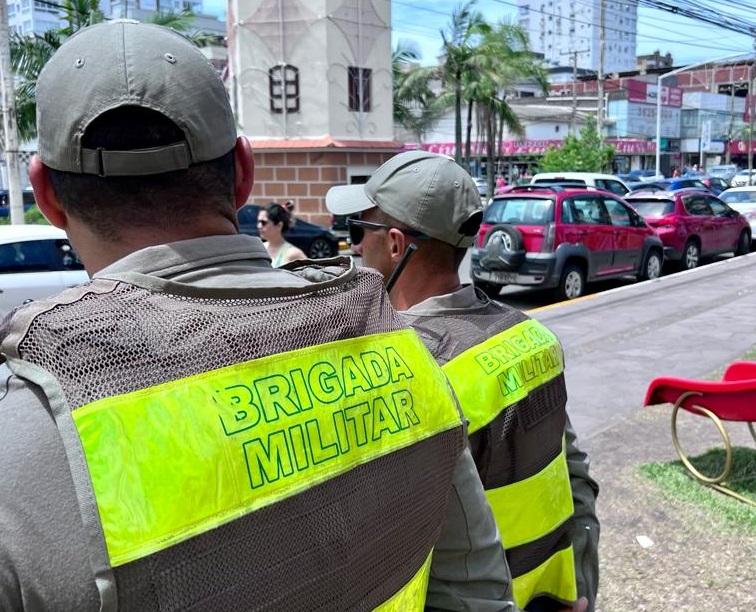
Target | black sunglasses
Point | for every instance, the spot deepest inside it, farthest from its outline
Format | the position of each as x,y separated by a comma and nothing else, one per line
357,229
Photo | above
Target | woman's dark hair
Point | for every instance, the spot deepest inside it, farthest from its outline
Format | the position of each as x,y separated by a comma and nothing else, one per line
109,204
278,214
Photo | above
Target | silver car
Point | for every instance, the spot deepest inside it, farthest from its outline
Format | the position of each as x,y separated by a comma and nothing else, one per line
743,199
36,261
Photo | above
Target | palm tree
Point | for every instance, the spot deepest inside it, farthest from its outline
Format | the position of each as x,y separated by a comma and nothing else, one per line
416,107
29,54
460,40
502,60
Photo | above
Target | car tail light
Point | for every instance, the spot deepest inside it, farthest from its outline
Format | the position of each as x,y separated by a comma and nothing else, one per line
482,234
548,238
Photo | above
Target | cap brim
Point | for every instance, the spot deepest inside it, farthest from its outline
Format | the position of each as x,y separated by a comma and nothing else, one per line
348,200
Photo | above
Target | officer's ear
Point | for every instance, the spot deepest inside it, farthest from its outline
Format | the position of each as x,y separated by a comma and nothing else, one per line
244,171
44,193
397,244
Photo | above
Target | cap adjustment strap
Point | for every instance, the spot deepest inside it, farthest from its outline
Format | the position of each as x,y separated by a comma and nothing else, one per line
139,162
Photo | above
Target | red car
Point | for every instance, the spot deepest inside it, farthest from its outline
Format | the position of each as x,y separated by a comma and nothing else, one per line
561,237
693,224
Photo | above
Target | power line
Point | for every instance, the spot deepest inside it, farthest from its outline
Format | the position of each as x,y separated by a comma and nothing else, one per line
431,33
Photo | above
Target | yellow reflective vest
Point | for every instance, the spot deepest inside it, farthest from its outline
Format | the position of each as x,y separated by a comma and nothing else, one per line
508,377
253,449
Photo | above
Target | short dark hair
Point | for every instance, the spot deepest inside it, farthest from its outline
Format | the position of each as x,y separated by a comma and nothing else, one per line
108,204
278,214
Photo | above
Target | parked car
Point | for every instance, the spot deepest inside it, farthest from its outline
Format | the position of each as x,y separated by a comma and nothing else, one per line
315,241
693,224
482,184
36,261
549,236
670,184
643,175
715,184
724,171
607,182
743,177
743,199
27,197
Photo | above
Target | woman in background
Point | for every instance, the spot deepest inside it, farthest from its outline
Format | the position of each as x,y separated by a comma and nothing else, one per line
272,222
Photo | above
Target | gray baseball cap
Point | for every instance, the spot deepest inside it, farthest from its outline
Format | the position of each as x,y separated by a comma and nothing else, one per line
427,191
127,63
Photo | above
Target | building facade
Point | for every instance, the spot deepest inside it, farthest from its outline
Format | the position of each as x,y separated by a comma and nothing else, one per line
563,30
311,86
33,16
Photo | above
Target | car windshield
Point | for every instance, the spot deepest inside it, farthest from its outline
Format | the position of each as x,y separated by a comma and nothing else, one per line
735,197
520,211
652,208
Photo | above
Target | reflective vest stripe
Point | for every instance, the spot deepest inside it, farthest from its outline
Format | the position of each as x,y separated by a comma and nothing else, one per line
519,360
411,597
489,379
555,576
253,434
528,509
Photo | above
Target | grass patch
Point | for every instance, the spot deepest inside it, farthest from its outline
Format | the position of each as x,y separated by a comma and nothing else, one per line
675,479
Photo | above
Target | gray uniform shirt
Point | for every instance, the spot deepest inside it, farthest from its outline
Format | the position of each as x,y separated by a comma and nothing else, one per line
44,564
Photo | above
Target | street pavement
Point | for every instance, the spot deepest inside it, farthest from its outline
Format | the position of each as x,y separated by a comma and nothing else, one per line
685,325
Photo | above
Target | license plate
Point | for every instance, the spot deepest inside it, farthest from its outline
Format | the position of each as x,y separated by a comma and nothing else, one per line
505,278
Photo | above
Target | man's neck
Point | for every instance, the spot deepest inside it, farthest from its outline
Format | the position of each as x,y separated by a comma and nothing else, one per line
414,288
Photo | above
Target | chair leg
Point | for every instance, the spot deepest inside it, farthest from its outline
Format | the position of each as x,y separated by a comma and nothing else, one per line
752,430
709,480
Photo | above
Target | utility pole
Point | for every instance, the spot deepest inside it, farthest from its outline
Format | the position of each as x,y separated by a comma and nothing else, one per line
9,120
600,74
750,123
728,139
573,58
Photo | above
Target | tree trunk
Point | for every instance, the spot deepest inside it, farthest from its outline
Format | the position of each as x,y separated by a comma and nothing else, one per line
469,131
491,148
458,118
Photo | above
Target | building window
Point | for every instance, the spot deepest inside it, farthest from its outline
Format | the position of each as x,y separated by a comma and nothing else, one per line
359,89
283,84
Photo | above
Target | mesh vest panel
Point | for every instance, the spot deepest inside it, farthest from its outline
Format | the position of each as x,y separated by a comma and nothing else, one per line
346,544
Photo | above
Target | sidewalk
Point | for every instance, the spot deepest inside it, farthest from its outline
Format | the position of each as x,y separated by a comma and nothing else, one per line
685,325
693,565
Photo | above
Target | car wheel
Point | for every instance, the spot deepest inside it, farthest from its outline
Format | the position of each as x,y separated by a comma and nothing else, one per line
652,267
320,248
492,290
744,243
572,283
691,255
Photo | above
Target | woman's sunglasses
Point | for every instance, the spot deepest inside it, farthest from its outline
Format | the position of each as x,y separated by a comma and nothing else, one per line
357,229
262,222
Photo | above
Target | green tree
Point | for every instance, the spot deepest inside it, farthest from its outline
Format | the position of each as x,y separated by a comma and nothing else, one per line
461,56
583,153
416,107
502,60
29,54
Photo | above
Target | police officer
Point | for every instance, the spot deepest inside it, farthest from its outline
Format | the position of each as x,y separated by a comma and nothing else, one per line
506,369
194,429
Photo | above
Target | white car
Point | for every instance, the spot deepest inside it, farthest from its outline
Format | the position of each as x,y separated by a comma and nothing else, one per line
742,199
607,182
741,178
36,261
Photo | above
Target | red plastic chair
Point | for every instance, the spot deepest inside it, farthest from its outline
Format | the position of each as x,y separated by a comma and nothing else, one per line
731,399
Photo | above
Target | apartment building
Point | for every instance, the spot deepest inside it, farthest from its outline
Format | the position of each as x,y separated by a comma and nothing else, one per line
563,30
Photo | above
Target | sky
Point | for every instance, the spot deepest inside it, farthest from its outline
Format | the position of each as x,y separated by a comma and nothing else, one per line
688,41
